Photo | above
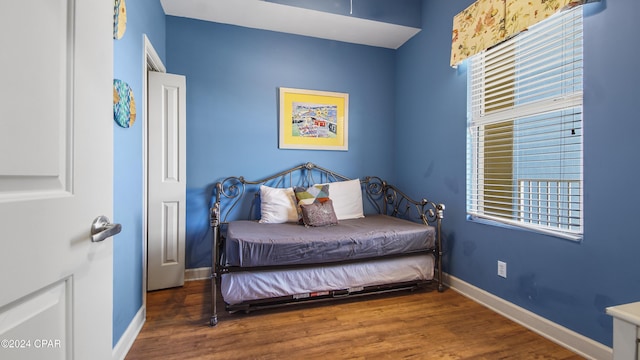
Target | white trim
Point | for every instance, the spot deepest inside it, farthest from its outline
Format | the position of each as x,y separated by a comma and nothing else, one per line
197,274
562,336
127,339
151,57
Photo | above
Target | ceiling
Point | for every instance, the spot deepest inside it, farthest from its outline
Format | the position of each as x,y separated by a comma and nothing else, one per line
265,15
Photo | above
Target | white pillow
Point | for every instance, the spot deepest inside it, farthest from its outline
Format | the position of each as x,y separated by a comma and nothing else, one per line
347,199
277,205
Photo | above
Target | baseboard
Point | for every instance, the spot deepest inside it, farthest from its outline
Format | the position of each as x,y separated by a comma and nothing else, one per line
197,274
562,336
127,339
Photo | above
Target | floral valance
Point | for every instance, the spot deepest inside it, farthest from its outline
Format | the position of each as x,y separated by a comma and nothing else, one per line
488,22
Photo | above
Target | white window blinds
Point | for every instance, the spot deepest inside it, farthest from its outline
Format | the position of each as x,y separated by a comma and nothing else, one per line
524,148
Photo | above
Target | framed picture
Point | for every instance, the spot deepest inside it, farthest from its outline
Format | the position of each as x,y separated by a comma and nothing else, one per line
314,120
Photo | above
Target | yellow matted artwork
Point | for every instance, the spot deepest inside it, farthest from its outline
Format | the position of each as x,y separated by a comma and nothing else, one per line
313,120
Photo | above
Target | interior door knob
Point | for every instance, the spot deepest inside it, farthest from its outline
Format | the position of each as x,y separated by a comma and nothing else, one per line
102,228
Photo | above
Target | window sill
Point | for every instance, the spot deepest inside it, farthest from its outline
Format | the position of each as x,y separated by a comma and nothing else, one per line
506,225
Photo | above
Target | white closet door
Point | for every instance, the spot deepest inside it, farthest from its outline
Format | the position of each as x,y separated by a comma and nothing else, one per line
167,180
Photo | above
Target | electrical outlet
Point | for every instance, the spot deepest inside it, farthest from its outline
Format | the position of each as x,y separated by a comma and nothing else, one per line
502,269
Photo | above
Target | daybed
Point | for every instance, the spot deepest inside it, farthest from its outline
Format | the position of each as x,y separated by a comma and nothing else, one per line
305,237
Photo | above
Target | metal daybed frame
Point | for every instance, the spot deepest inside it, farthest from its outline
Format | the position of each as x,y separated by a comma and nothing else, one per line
229,196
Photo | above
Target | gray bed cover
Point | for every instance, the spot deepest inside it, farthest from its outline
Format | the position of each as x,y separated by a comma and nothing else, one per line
251,244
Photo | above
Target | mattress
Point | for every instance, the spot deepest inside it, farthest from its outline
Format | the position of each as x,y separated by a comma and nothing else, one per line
251,244
238,287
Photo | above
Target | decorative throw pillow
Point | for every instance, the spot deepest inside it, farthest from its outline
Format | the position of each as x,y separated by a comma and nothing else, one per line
277,205
347,199
310,195
315,193
318,214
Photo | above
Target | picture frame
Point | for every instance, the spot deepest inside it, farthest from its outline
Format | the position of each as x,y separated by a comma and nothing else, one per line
313,120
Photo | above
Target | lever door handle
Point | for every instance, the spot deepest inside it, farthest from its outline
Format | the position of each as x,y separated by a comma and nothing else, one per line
102,228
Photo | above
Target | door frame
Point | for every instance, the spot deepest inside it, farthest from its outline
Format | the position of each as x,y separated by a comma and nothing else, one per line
150,61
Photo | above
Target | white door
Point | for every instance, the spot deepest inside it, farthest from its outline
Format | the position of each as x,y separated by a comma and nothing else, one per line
167,181
56,169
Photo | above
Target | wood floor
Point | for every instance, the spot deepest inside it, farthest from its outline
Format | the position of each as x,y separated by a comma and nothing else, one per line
407,325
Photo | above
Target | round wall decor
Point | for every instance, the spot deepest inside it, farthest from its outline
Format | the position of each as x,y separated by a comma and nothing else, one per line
119,19
124,105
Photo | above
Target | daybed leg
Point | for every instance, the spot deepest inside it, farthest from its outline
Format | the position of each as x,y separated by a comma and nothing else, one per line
214,296
440,216
440,283
215,226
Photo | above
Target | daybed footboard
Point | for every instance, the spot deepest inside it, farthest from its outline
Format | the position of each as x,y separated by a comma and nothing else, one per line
389,200
233,194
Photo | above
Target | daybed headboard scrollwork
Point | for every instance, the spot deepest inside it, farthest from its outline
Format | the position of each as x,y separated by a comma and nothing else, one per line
389,200
384,198
232,190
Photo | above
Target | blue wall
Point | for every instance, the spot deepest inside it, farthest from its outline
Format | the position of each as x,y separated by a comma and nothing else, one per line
233,75
407,124
143,17
569,283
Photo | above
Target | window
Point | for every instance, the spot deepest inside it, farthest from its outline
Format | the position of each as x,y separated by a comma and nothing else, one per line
524,144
